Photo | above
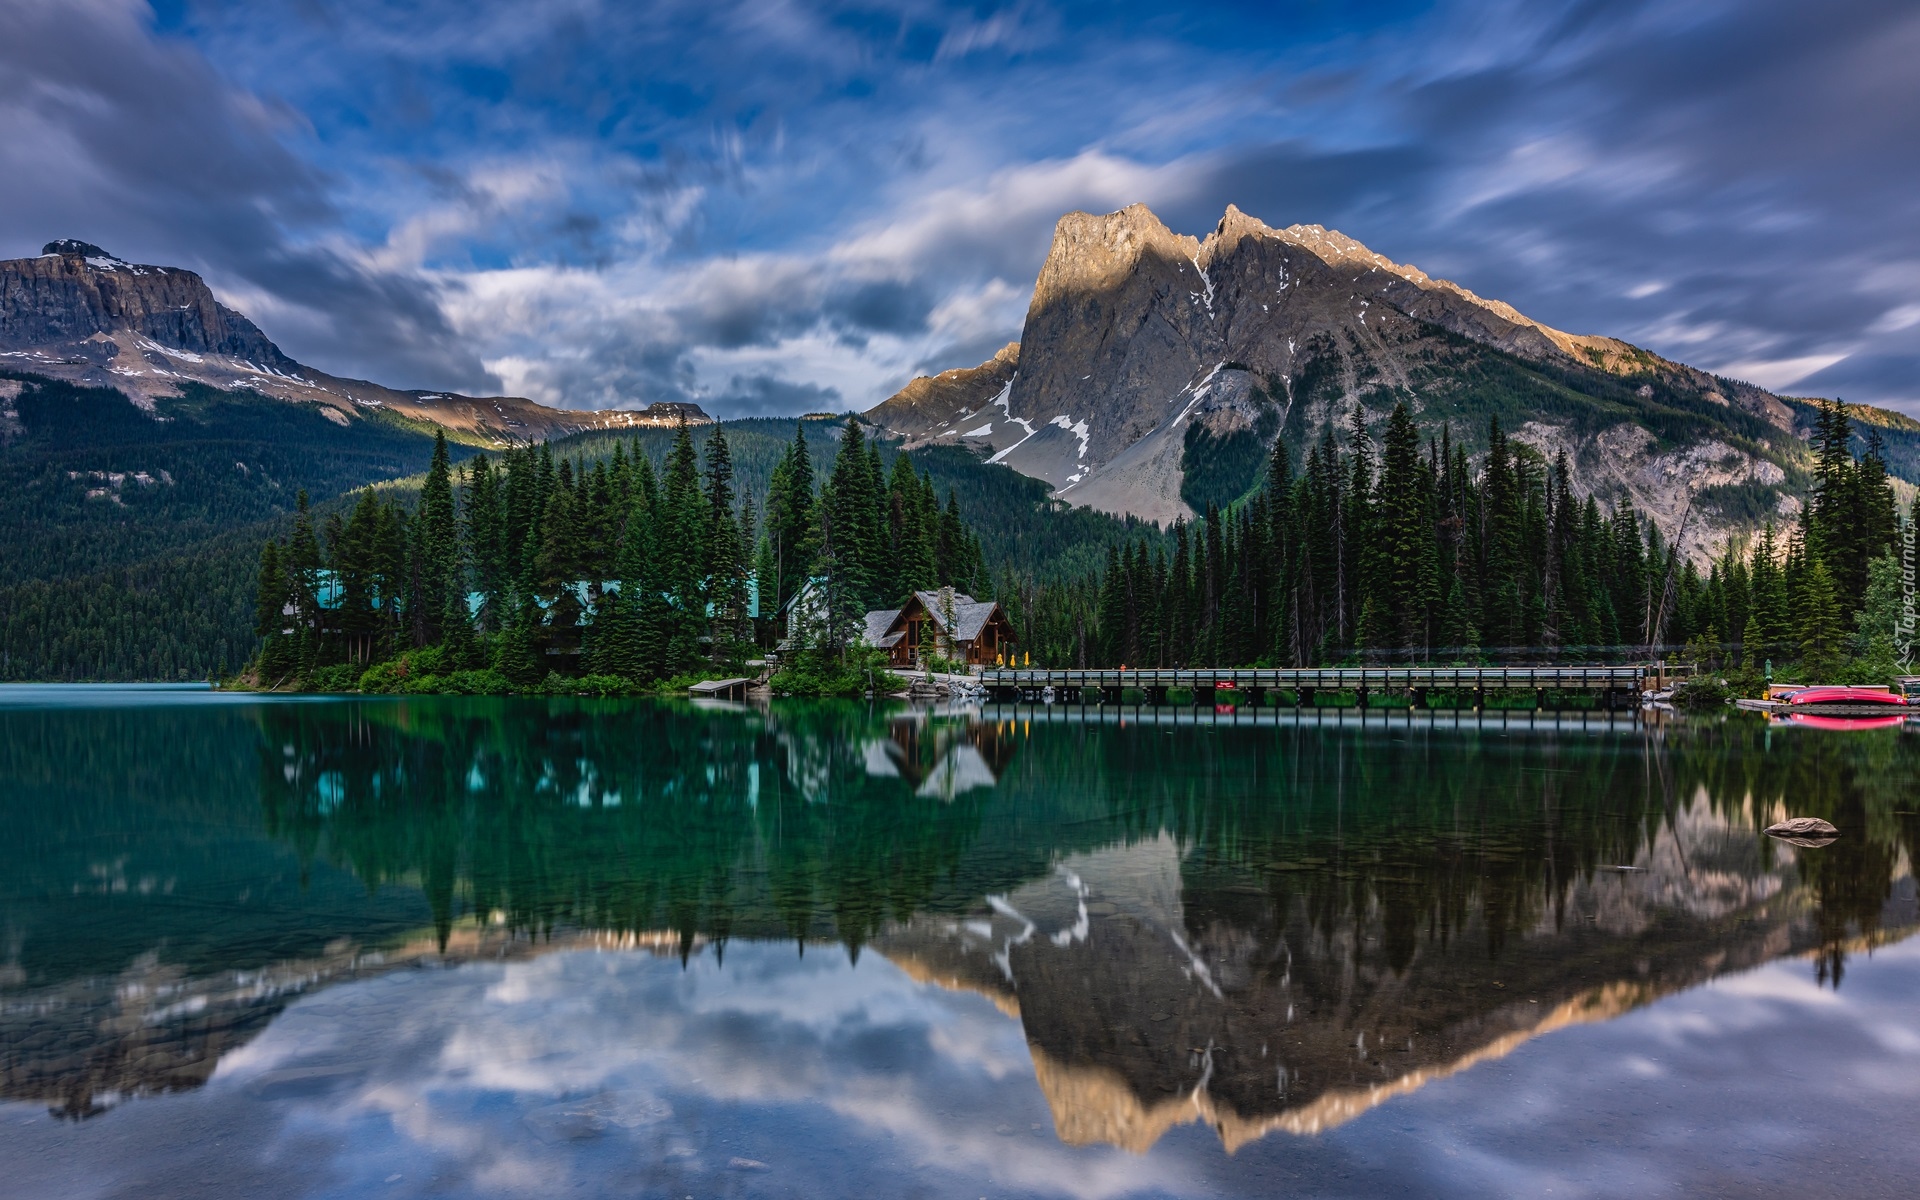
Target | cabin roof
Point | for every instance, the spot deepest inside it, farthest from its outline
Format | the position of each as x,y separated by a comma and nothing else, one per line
879,622
970,616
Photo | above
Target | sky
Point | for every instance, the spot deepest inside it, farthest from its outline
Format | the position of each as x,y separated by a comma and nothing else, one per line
772,207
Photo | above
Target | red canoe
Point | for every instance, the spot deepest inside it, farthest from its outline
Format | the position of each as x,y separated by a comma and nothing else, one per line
1846,724
1844,695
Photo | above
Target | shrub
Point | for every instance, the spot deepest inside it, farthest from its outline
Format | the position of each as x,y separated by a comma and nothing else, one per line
341,677
816,674
1702,691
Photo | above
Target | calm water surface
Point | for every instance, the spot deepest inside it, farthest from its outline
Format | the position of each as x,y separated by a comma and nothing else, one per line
466,947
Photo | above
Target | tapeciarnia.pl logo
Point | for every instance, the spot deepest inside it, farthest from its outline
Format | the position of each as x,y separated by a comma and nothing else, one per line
1903,632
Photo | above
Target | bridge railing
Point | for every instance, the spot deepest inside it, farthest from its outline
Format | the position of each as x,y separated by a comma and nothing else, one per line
1341,678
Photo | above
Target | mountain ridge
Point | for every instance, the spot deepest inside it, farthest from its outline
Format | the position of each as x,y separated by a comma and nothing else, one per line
81,315
1144,351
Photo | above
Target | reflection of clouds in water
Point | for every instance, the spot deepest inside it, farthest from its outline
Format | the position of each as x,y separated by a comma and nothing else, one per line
1758,1082
618,1073
909,1080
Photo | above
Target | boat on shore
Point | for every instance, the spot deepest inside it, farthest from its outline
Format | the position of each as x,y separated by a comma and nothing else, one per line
1835,706
1821,695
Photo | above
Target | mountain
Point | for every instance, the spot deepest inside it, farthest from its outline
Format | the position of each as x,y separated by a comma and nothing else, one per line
1155,370
78,314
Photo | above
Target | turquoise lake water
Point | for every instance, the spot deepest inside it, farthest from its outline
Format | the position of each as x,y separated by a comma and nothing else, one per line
340,947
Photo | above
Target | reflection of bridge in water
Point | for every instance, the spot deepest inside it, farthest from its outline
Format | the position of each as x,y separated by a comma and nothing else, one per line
1615,686
1235,716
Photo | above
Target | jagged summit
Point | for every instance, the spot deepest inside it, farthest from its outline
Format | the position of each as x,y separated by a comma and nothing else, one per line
1155,367
75,248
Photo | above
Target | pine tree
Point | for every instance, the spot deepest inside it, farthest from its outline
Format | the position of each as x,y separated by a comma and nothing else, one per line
1503,547
516,653
302,566
680,541
486,539
1401,539
1460,640
1358,556
1818,622
790,519
725,567
436,545
271,592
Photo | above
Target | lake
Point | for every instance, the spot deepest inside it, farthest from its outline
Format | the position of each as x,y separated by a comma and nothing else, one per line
346,947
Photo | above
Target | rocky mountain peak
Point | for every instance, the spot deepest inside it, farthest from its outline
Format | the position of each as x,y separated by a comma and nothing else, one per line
1091,252
74,248
77,313
1149,358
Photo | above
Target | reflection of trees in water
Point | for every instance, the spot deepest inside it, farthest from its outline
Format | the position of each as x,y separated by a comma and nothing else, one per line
1866,783
1417,835
1429,827
1408,884
619,816
830,821
1278,928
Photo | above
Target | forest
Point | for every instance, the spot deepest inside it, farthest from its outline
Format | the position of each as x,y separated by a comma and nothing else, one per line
1398,552
557,573
545,573
132,536
139,552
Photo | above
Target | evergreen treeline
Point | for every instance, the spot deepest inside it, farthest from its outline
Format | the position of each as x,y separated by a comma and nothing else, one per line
1022,526
512,572
130,539
1395,551
90,482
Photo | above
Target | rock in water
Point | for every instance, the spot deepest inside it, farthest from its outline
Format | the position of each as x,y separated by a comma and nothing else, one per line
1804,831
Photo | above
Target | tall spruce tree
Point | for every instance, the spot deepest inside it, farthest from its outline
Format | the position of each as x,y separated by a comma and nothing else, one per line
725,568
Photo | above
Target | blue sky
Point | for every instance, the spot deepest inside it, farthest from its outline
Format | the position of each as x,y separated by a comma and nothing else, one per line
777,207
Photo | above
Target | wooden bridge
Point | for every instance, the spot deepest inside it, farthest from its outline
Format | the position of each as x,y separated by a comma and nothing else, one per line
1615,685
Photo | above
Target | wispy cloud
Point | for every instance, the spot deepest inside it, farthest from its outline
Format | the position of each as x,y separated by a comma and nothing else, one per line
792,204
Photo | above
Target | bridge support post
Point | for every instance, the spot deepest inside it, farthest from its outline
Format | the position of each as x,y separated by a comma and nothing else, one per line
1479,697
1304,698
1540,698
1417,697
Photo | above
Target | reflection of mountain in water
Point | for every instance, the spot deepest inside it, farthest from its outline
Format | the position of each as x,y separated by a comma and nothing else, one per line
1143,1013
1263,928
89,1043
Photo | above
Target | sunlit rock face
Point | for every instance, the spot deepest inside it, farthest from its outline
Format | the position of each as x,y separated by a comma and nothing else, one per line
1148,358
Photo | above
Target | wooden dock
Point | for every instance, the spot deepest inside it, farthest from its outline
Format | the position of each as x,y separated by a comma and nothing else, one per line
1780,708
721,689
1615,685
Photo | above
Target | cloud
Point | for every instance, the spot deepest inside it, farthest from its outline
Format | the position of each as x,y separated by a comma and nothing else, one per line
134,142
599,204
767,396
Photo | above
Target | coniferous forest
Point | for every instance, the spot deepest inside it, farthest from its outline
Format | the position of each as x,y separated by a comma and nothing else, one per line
604,558
544,572
537,571
1398,551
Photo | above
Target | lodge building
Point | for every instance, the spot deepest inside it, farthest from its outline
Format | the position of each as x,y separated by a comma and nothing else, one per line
948,623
